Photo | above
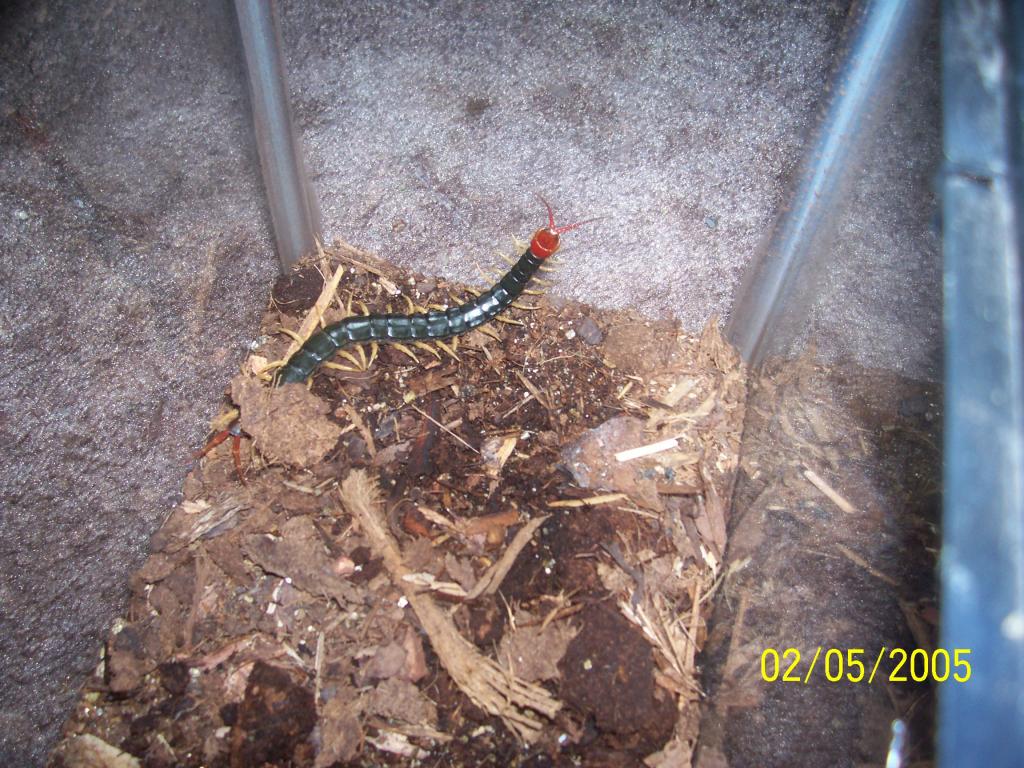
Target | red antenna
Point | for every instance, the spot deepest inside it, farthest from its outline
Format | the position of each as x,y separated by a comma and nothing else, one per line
546,241
566,228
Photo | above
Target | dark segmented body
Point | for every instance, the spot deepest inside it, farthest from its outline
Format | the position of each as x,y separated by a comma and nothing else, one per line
430,325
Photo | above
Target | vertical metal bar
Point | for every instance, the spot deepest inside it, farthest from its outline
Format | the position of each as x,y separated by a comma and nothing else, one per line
981,719
879,41
294,212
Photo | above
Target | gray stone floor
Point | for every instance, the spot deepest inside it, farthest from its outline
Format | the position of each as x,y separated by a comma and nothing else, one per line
135,256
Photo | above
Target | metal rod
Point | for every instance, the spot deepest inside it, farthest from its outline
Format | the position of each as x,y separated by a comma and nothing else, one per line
981,714
294,212
880,40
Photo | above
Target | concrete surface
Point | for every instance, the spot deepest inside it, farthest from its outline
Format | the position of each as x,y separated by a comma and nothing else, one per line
135,256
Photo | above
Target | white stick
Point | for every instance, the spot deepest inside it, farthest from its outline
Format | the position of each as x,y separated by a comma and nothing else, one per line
647,450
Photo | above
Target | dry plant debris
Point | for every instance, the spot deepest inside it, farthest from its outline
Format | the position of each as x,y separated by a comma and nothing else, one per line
494,690
493,552
838,496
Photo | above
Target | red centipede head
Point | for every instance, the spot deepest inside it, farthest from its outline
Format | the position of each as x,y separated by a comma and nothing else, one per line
546,239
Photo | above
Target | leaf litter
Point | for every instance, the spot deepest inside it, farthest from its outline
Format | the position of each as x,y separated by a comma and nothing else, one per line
497,552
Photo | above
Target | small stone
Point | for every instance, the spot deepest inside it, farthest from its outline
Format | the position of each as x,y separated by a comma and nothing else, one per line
386,428
591,460
570,334
357,449
590,332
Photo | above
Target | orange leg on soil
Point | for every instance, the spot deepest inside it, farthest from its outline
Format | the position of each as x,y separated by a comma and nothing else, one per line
235,433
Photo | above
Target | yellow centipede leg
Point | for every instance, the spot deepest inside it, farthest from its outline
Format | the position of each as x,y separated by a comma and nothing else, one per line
406,351
350,357
448,349
427,348
489,275
293,335
337,367
264,374
488,331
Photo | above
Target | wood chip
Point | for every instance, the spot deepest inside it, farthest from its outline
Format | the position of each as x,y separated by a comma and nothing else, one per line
366,261
533,390
590,501
389,286
496,452
647,450
365,431
677,489
818,482
854,557
88,751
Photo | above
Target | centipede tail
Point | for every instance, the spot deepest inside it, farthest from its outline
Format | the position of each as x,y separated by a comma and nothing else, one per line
427,325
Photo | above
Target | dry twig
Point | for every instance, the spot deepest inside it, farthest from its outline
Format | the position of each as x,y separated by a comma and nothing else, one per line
315,314
480,678
834,496
496,574
590,501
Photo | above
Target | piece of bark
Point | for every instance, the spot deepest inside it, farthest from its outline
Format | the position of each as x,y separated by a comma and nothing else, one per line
288,424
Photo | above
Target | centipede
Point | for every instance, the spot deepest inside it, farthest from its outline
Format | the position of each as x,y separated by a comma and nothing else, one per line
433,325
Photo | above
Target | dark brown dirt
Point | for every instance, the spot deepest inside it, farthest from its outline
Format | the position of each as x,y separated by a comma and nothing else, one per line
608,672
274,720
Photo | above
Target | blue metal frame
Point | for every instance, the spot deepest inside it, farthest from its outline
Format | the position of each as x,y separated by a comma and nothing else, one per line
981,722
